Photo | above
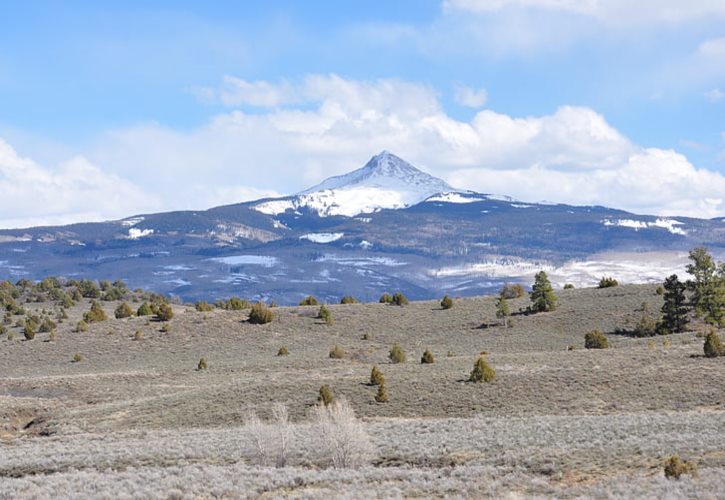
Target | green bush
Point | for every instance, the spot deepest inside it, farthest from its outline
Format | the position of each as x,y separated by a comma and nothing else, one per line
310,300
607,282
446,302
399,299
568,286
386,298
397,355
164,312
77,357
123,311
382,395
82,326
47,326
482,371
203,364
337,352
512,291
203,306
236,304
96,314
348,299
542,295
260,314
144,310
427,358
29,331
283,351
713,345
376,376
325,315
138,335
646,326
676,467
660,290
325,397
595,340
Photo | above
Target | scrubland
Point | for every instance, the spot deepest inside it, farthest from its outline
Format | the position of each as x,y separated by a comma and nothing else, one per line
136,418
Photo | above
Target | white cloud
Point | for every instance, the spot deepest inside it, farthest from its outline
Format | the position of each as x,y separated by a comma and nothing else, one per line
714,95
572,155
469,97
31,194
620,12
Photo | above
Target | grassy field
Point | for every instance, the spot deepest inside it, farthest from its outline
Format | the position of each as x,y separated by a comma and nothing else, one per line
135,418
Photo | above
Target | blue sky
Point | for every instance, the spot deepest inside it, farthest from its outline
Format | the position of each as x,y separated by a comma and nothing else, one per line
147,106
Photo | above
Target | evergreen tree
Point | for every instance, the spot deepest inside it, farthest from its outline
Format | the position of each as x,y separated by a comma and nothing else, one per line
542,295
674,310
707,286
502,309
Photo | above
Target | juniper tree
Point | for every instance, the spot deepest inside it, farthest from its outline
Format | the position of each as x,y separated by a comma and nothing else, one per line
707,286
502,309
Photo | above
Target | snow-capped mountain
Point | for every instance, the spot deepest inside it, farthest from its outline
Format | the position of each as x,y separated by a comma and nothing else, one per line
386,181
418,235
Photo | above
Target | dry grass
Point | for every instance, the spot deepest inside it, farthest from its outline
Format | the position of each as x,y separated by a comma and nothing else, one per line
556,421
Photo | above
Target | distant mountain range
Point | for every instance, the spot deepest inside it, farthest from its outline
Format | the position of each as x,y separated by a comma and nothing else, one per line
384,227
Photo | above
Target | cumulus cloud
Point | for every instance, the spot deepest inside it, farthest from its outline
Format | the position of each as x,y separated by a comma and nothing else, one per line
714,95
31,194
330,125
469,97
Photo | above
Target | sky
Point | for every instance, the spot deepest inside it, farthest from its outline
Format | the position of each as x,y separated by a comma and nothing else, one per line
107,111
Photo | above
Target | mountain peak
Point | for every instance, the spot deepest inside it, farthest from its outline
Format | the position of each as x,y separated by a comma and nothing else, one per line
385,170
386,181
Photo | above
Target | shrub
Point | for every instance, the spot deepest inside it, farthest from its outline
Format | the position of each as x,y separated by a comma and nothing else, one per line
77,357
399,299
260,314
325,315
325,397
52,336
29,332
676,467
660,290
283,351
376,376
164,312
144,310
11,335
607,282
397,355
713,345
3,329
568,286
382,395
138,335
47,326
343,439
646,326
427,358
595,340
446,302
236,304
337,352
386,298
96,314
203,364
203,306
502,309
310,300
482,371
82,326
270,440
166,328
123,311
348,299
512,291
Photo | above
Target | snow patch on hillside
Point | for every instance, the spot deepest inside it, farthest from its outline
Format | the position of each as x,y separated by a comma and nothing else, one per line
322,237
134,233
456,198
254,260
668,224
132,221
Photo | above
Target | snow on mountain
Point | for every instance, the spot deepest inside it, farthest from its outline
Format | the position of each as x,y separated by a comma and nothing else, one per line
668,224
386,181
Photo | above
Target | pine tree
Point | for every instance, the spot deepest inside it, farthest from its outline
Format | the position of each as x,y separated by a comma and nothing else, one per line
542,295
502,309
674,310
708,286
